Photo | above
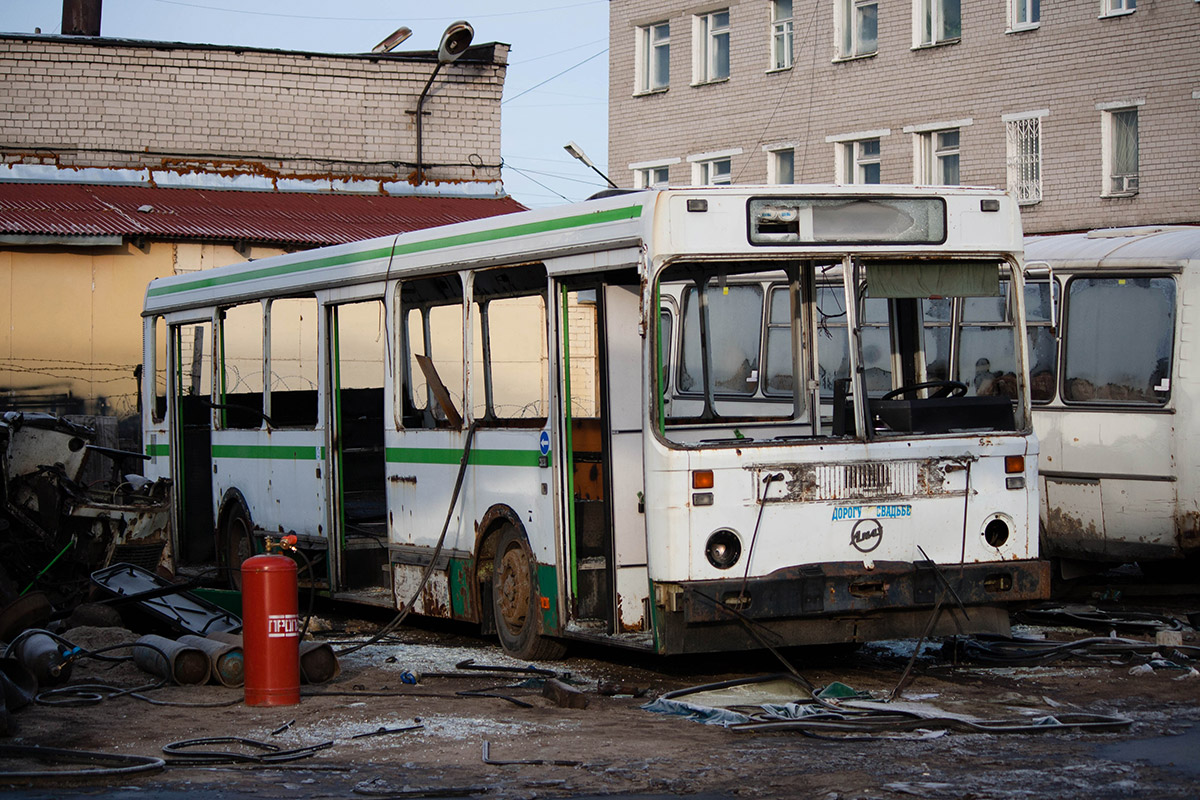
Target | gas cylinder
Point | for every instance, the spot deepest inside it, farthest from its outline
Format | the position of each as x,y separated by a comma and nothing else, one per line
270,631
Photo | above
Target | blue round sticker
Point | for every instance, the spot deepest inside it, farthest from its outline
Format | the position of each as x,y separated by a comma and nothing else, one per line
544,442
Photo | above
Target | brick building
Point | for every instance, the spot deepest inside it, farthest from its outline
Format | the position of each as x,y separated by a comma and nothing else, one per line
1089,111
170,114
122,161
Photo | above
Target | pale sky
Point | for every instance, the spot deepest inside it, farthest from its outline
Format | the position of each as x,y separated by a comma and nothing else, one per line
556,89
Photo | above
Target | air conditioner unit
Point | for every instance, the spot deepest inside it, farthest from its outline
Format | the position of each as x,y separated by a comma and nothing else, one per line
1124,184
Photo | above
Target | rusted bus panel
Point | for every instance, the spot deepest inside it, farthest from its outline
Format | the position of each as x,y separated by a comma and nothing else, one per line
432,597
1187,532
863,480
848,587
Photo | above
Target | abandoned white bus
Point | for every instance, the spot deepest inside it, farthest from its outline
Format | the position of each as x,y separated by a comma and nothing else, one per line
688,420
1115,398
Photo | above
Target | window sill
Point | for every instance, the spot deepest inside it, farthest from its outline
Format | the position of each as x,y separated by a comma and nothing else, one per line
788,68
1023,28
844,59
649,92
1028,203
1122,13
1117,195
710,83
933,45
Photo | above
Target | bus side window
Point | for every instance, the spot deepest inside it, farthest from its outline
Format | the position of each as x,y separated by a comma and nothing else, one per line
518,367
433,325
159,388
1119,335
293,354
1043,345
241,367
779,378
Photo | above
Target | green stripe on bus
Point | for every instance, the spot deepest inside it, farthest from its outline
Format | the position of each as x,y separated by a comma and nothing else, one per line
269,452
271,272
451,455
563,223
156,450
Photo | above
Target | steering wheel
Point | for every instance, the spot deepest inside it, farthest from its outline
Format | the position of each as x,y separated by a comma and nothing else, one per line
944,389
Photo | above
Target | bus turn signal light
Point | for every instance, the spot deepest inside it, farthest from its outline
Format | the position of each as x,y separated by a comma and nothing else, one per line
702,479
1014,464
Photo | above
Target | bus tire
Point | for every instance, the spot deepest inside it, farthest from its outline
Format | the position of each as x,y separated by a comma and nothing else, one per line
238,542
515,600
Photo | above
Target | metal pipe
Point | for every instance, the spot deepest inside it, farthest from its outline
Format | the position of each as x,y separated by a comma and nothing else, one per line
420,112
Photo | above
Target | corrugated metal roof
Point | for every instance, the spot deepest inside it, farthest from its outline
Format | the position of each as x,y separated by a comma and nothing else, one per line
285,218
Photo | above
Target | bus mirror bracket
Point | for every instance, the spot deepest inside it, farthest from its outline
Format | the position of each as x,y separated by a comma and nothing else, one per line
1038,270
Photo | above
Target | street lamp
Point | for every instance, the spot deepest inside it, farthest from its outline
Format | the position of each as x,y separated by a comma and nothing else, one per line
577,152
455,41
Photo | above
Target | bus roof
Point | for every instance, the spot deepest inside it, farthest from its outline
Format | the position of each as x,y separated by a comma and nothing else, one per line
619,220
1145,246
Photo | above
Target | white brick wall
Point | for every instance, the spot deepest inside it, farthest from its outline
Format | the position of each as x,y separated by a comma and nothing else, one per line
293,115
1069,64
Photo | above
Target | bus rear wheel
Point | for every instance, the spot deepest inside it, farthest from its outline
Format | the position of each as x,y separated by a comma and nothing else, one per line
515,601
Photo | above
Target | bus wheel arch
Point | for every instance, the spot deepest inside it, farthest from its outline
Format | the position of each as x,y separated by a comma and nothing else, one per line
514,595
235,541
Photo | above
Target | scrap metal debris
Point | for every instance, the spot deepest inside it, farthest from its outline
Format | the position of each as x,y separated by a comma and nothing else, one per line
1092,618
55,526
542,762
753,705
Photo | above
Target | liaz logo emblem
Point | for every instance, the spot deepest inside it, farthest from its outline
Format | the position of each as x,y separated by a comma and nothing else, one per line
867,535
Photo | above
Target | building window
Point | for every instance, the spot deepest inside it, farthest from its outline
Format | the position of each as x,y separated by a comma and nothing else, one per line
781,166
651,178
717,172
1120,142
1024,14
856,25
654,57
937,161
1023,145
861,161
936,21
1115,8
781,34
712,47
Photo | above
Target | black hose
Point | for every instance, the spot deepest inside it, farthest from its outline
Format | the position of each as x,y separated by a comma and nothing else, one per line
437,550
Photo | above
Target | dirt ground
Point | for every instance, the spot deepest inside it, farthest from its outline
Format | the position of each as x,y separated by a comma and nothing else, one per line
613,746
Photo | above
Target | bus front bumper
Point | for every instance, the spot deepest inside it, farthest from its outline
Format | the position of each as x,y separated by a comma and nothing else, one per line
844,602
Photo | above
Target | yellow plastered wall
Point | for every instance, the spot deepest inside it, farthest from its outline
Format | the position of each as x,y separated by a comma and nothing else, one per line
71,330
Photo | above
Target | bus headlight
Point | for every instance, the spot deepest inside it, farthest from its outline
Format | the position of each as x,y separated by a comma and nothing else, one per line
996,532
724,548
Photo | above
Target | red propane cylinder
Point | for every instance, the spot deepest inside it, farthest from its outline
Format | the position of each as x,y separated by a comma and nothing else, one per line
270,631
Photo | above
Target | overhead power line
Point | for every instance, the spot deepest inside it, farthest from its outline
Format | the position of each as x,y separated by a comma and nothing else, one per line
552,77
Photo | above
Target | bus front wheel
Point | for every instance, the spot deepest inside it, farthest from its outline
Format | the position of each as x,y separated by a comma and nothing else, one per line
515,600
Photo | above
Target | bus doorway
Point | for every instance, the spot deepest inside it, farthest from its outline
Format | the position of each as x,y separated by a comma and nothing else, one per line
600,350
193,370
359,547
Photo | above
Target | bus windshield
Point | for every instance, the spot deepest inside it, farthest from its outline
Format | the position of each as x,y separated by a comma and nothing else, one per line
754,350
